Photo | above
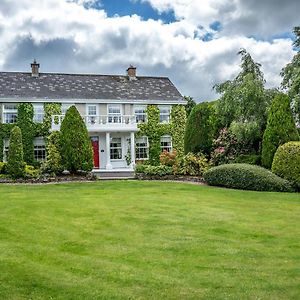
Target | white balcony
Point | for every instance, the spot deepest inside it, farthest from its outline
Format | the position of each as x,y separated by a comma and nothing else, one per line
108,123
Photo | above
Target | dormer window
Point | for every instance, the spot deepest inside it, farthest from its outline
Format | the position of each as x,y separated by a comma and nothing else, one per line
164,113
10,113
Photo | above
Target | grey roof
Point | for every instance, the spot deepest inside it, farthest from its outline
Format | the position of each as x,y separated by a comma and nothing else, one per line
77,86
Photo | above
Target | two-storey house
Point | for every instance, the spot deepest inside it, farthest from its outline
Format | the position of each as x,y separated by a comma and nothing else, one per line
112,107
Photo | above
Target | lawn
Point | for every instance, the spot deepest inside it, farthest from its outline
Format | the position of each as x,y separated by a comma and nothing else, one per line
147,240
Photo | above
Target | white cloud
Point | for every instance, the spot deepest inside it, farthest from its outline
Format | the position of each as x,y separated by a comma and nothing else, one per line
66,37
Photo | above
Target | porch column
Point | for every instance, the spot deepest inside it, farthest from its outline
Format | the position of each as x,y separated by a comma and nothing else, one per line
132,149
108,164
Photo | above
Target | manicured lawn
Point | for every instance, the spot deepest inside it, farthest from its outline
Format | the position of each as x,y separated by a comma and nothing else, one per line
147,240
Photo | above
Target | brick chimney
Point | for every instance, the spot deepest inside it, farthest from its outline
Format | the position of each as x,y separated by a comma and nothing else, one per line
131,73
35,69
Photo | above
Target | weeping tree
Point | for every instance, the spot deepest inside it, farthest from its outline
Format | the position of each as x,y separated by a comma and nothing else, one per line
243,98
76,148
291,78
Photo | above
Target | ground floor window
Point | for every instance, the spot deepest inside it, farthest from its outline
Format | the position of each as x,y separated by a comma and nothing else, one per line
116,148
142,148
39,149
166,143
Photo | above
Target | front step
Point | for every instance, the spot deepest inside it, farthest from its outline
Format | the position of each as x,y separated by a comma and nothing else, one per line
105,174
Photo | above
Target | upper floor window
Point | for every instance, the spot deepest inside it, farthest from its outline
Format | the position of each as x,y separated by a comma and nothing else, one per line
140,114
166,143
39,149
114,113
10,113
142,148
38,109
164,113
92,113
65,107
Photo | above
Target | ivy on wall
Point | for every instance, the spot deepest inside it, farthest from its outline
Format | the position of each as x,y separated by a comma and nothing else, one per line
29,129
153,129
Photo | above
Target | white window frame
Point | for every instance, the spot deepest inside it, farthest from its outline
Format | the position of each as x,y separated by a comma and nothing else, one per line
114,117
140,117
91,115
39,147
168,148
65,107
116,148
138,148
164,117
6,112
5,149
39,113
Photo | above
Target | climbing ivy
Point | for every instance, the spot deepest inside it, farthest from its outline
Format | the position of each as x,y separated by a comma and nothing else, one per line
153,129
29,129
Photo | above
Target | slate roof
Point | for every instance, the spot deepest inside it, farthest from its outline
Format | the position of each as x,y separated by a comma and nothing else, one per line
76,86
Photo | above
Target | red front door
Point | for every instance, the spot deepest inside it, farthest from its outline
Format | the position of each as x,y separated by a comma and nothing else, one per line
95,144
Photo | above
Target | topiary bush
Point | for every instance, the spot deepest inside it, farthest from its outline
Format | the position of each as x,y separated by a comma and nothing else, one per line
246,177
286,163
15,162
200,129
280,129
76,147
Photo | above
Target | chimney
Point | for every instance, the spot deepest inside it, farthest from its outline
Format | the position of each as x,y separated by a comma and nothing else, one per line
35,69
131,73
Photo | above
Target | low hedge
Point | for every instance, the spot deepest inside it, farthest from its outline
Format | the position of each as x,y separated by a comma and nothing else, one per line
246,177
286,163
160,170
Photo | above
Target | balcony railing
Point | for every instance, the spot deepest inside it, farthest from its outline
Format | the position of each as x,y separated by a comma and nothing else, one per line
102,123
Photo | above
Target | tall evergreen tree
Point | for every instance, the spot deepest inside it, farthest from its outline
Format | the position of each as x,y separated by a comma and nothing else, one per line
190,104
76,148
200,129
280,128
15,162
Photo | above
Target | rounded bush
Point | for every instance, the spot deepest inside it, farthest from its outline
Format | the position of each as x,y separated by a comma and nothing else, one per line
286,163
246,177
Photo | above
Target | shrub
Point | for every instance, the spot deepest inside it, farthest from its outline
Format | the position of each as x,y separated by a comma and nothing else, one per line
286,163
160,170
3,167
280,129
252,159
194,164
15,163
53,163
31,172
246,177
168,158
140,168
76,147
200,129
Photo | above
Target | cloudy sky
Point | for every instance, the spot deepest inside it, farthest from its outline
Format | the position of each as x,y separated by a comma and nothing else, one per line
193,42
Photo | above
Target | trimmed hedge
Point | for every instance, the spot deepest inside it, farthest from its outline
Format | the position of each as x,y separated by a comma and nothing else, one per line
286,163
247,177
160,170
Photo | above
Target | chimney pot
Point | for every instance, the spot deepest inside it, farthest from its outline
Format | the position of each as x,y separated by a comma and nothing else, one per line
35,69
131,72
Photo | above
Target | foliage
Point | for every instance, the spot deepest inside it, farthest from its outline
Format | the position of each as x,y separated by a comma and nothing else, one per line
53,163
160,170
31,172
25,123
168,158
246,177
3,168
15,163
280,129
194,164
50,110
200,129
252,159
291,77
153,129
76,148
286,163
190,104
243,99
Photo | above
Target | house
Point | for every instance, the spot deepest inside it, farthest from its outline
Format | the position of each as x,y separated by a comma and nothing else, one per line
113,107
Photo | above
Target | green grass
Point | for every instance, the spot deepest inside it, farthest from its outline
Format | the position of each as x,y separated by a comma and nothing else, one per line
147,240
